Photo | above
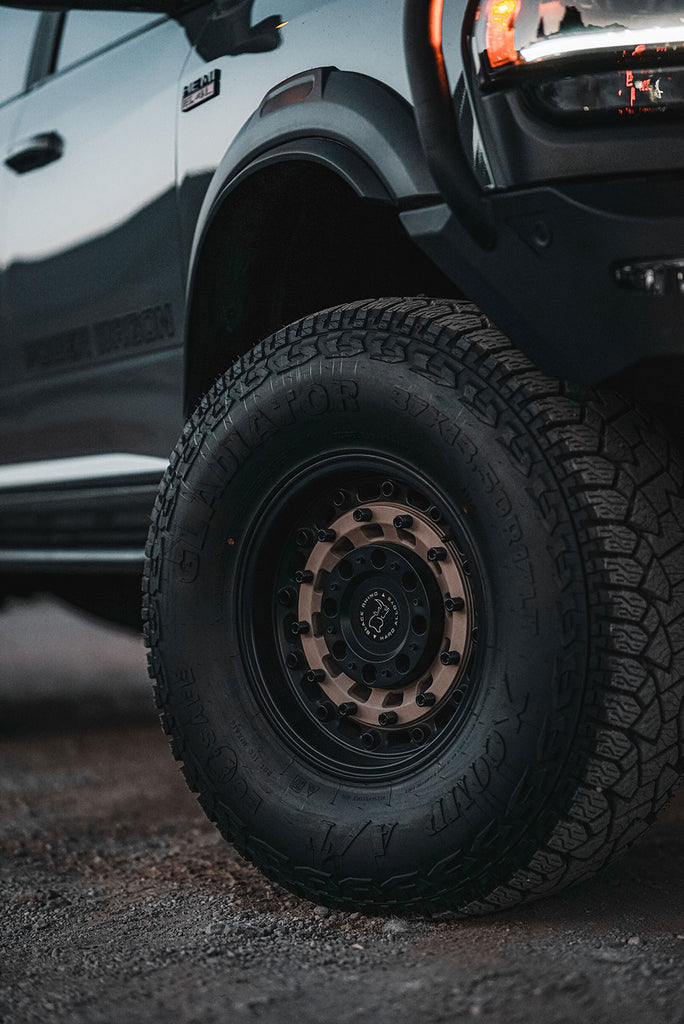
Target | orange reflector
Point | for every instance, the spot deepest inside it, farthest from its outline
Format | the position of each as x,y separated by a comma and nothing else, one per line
500,32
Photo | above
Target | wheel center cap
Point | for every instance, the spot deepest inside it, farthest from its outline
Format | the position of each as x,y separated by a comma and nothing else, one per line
379,615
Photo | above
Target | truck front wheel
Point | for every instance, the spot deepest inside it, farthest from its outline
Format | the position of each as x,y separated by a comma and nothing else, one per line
415,613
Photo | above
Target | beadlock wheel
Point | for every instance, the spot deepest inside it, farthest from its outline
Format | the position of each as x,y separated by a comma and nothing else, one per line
371,620
415,613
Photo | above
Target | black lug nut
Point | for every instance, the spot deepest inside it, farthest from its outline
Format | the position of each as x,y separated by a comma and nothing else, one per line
304,538
418,735
304,576
298,628
370,739
314,675
325,711
425,700
362,515
326,536
347,709
286,596
454,604
403,522
450,657
293,660
437,554
387,718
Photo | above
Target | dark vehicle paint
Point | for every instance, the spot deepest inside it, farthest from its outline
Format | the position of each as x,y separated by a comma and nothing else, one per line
117,244
92,251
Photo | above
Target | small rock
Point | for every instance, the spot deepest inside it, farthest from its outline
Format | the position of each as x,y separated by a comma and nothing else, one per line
322,911
393,927
634,940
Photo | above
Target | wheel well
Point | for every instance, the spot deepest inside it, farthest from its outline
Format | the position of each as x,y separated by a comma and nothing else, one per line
293,239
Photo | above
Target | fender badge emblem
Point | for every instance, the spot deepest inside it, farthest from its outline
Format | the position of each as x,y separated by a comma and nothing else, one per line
202,89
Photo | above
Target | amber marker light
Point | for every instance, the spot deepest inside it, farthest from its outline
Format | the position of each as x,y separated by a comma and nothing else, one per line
436,12
500,32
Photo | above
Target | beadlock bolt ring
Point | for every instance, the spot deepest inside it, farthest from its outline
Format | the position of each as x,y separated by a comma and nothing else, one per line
389,525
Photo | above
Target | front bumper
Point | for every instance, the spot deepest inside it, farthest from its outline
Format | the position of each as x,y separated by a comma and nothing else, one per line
551,279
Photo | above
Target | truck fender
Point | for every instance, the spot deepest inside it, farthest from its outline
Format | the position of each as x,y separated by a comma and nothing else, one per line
352,123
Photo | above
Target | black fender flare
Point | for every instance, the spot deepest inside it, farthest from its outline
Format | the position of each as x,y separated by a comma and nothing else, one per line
351,123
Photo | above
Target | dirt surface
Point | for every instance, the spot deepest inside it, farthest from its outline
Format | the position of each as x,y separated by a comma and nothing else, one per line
119,902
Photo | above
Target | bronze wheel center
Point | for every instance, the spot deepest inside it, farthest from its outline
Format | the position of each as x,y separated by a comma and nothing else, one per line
390,615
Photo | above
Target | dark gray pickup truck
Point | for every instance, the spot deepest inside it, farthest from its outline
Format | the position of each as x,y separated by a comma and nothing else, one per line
412,273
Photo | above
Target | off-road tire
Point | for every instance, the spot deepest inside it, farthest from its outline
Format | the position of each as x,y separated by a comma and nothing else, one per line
561,737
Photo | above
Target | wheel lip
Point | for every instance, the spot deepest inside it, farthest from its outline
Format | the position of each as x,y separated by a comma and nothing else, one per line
380,767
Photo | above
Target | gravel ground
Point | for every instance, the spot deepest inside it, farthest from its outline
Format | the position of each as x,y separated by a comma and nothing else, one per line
119,902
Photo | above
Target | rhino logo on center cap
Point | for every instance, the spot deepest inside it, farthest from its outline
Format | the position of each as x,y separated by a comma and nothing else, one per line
379,615
376,622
